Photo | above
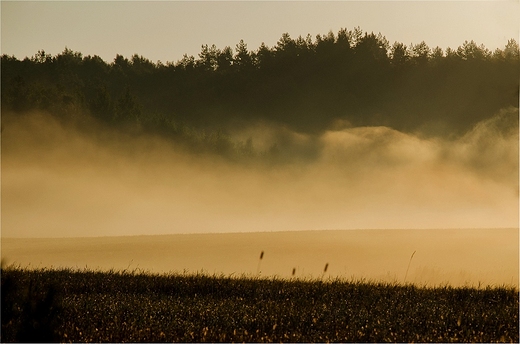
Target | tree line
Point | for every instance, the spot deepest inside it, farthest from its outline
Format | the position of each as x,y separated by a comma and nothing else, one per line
305,84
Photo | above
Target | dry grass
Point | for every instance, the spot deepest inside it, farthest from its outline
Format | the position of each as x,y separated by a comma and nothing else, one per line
117,306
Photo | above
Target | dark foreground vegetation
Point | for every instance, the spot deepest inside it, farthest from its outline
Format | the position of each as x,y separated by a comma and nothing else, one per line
90,306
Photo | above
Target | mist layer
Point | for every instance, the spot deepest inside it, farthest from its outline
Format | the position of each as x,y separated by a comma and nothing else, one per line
62,180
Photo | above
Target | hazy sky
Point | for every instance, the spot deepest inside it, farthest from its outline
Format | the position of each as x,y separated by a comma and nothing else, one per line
166,30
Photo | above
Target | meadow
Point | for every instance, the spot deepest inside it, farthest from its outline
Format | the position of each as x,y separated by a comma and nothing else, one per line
68,305
458,257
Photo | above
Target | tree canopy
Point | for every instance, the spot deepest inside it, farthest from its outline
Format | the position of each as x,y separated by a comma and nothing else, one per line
303,83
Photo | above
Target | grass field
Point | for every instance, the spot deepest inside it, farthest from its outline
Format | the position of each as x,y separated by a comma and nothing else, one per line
458,257
120,306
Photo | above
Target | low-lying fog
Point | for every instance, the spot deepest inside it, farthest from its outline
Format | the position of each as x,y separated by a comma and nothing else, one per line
58,181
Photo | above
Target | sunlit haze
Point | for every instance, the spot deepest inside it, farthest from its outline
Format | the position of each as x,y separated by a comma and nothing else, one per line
57,181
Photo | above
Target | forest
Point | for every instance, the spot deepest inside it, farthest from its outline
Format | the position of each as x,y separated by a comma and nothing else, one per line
306,85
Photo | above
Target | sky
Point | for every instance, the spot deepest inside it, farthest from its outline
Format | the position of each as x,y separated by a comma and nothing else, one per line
166,30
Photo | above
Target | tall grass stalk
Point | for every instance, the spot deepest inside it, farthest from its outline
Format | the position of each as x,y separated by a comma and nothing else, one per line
410,262
259,262
324,270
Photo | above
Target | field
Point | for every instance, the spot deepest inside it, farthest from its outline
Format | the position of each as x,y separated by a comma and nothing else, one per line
116,306
460,285
458,257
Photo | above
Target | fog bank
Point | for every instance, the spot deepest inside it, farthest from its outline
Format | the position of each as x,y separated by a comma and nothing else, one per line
61,181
